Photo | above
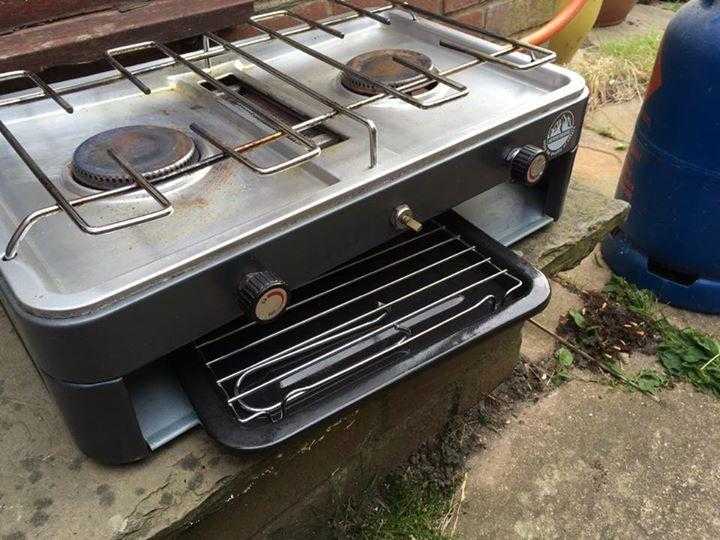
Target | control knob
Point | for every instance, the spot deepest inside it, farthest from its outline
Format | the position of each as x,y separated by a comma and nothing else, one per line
527,164
263,295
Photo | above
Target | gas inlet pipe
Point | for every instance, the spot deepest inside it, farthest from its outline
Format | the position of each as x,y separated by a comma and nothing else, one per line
557,24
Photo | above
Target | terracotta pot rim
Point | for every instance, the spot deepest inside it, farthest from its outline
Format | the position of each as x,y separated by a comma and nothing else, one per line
614,12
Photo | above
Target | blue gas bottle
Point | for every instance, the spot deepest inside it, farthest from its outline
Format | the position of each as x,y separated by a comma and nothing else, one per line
670,243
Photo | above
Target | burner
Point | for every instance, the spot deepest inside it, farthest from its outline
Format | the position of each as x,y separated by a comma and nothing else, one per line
380,66
152,150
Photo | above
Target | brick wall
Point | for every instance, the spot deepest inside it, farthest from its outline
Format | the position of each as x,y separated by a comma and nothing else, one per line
503,16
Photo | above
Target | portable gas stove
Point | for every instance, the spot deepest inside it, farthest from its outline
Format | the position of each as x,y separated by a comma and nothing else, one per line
256,235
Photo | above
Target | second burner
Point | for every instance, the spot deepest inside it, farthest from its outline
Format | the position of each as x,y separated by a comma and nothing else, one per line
381,66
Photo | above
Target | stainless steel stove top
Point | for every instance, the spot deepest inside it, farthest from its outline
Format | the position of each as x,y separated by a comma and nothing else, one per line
59,270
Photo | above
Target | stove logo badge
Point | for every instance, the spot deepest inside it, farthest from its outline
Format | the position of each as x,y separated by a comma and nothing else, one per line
560,133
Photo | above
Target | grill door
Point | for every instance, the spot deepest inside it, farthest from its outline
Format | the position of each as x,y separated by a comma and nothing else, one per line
357,329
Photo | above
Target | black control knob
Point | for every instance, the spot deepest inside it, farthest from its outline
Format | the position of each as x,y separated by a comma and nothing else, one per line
527,164
263,295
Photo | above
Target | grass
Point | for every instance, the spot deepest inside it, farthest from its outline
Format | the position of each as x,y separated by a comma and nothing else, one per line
673,6
618,70
402,508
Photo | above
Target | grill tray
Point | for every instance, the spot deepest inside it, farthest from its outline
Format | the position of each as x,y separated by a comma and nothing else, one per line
357,329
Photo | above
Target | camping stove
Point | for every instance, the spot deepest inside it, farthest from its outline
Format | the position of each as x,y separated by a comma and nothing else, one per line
258,234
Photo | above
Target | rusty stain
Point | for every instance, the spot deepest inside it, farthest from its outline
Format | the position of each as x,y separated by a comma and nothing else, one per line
197,202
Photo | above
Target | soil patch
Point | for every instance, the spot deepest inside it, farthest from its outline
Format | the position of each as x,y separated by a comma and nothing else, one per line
608,330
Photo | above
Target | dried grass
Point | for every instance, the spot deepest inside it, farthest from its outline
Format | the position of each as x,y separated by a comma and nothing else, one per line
618,71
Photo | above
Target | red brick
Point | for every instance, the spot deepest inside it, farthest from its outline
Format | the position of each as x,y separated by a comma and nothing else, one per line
236,33
436,6
246,31
337,9
316,10
474,16
457,5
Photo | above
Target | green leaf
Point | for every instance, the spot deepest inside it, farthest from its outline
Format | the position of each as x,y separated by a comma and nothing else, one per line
650,381
564,357
671,361
578,318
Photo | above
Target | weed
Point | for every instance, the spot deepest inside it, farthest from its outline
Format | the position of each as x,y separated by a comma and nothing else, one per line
606,328
640,301
685,354
637,51
691,355
564,361
673,6
649,381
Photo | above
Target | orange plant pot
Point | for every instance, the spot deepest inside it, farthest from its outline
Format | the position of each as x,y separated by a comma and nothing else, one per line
614,12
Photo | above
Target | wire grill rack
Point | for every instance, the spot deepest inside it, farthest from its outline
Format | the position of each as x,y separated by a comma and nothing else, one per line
355,320
531,57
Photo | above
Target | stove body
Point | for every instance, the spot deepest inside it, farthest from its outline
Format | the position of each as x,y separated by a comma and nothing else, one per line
320,209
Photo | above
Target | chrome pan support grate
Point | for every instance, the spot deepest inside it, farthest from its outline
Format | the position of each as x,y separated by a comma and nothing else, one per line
358,328
507,52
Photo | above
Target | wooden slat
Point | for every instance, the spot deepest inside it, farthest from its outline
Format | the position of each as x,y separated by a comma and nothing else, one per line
15,14
84,38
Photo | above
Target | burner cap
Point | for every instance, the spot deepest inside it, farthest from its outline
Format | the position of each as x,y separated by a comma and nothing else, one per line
380,66
152,150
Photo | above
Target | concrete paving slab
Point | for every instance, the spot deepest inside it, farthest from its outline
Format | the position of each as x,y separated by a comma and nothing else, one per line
710,324
590,461
590,275
615,119
538,345
48,489
588,217
599,162
642,20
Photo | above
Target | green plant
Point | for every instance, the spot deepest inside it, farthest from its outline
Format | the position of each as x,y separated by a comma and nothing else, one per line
639,301
673,6
691,355
649,381
564,361
686,354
